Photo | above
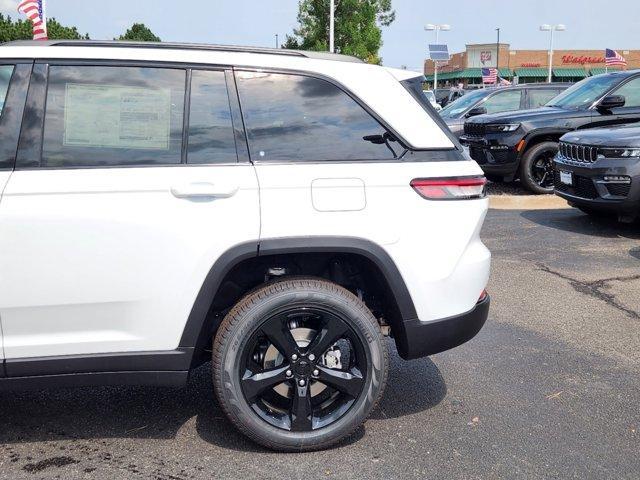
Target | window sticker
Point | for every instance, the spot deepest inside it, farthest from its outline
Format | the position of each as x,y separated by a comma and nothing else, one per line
116,116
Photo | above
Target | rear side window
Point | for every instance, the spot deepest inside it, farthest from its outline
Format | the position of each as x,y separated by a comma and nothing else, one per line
211,135
540,97
109,116
503,101
300,118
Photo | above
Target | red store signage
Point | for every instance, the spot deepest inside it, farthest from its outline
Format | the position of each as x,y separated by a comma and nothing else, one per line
582,59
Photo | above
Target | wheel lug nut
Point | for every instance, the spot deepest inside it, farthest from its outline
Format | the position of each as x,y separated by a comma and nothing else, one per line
288,373
316,373
294,357
301,383
312,357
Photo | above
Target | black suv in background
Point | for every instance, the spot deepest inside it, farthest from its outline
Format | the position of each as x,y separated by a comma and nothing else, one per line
523,143
498,99
598,171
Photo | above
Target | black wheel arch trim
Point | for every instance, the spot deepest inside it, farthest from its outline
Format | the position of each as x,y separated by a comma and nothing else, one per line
541,132
195,334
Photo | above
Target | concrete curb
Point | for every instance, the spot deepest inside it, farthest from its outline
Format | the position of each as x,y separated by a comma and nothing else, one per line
527,202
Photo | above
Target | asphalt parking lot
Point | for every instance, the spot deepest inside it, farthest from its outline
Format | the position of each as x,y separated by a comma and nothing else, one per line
549,389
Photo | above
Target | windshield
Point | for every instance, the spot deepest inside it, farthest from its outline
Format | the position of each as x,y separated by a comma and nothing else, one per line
585,92
430,96
457,108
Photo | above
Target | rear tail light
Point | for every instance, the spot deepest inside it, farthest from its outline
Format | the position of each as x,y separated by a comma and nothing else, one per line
456,188
483,295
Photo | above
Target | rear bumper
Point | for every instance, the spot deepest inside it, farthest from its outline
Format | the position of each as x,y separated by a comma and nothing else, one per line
420,339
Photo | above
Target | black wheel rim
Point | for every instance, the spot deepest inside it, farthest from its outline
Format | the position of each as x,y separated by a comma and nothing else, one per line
542,169
303,369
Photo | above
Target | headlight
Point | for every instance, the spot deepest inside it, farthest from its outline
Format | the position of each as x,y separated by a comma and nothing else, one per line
501,128
618,152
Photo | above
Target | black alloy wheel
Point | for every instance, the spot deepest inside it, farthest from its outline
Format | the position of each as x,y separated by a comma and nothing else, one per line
536,169
299,364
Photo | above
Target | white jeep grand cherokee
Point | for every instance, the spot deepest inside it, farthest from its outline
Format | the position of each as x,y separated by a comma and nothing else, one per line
276,212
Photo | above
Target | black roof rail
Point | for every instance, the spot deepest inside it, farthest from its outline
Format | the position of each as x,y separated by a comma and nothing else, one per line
182,46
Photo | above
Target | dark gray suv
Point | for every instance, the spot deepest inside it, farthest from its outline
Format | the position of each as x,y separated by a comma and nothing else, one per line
498,99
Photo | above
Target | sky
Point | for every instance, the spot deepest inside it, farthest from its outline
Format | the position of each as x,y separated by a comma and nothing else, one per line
590,24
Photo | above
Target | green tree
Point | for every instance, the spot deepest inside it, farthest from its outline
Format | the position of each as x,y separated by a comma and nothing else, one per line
23,30
357,27
139,32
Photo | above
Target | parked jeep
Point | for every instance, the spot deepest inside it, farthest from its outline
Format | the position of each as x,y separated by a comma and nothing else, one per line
165,205
523,144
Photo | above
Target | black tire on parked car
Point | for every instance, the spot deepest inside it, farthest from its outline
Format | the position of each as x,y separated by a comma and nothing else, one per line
299,364
536,167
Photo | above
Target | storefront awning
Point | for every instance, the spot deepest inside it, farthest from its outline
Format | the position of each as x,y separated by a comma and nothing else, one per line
599,70
569,72
532,72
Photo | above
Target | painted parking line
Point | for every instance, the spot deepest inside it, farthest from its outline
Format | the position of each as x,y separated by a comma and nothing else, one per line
527,202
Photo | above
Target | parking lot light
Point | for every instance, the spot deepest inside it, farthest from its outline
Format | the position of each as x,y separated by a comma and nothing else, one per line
545,27
445,27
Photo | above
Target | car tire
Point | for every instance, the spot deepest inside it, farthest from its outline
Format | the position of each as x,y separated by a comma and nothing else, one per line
535,164
255,325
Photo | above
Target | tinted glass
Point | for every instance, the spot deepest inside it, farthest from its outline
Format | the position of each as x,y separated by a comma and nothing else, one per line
503,101
105,116
298,118
631,93
211,136
585,92
5,78
461,105
540,97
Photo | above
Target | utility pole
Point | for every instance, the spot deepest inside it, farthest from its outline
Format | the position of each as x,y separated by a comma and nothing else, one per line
332,13
498,57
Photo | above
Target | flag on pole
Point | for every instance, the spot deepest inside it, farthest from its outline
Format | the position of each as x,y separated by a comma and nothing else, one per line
489,75
613,58
34,11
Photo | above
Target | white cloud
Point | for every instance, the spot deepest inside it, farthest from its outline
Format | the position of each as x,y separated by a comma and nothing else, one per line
9,7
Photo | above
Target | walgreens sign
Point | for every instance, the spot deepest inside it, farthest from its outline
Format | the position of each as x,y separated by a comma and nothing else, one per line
582,59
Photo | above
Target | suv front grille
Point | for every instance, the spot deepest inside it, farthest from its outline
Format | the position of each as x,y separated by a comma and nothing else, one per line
578,153
474,129
582,187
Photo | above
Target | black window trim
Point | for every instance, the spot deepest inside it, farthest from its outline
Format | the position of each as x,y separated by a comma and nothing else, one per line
7,124
36,104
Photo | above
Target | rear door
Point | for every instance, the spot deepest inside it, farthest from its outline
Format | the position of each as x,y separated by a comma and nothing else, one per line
14,81
128,187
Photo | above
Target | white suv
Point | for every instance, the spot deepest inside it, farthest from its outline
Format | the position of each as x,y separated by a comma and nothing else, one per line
275,212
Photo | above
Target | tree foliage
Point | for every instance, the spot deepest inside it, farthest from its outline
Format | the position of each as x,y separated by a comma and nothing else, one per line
139,32
357,27
23,30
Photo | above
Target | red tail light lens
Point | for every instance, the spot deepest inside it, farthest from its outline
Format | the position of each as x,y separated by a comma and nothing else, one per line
457,188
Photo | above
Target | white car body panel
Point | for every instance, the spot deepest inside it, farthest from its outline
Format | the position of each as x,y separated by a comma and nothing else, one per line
109,260
435,244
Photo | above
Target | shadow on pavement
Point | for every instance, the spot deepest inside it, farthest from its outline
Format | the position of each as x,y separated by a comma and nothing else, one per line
160,413
574,221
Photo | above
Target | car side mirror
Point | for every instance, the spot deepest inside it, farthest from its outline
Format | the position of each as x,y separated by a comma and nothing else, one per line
611,101
475,111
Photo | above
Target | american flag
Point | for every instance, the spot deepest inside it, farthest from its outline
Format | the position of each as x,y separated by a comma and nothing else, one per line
34,11
489,75
612,58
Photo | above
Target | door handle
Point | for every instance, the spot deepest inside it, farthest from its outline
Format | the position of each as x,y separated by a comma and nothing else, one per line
203,190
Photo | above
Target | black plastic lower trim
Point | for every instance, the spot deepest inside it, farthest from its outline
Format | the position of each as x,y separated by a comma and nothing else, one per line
149,378
420,339
171,360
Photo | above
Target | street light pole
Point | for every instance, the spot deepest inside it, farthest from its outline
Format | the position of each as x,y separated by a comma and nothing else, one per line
332,12
498,56
551,28
277,46
429,27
